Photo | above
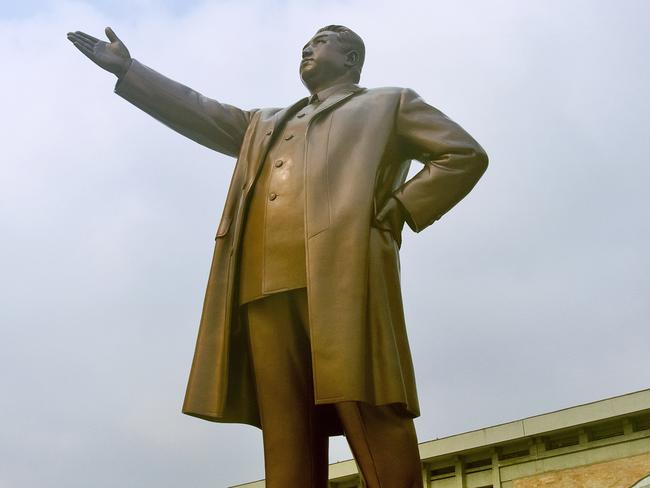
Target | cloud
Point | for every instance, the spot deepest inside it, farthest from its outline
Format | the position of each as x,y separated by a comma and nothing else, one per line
522,300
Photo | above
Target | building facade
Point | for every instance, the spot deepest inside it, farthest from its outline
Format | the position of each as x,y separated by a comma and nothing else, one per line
604,444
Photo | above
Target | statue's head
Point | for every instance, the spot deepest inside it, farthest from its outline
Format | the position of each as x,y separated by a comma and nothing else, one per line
335,54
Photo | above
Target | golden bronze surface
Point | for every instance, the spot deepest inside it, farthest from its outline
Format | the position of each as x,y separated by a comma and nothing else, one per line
310,236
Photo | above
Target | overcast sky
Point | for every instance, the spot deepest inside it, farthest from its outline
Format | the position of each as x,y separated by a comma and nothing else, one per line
530,296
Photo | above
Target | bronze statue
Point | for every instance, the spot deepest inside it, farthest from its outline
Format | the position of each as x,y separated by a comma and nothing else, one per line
303,332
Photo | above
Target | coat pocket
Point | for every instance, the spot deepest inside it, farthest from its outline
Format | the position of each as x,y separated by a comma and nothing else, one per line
224,226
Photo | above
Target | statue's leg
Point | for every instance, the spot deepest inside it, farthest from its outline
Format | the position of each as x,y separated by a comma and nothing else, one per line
384,444
295,440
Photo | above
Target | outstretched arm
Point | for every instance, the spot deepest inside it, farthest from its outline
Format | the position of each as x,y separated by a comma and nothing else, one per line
213,124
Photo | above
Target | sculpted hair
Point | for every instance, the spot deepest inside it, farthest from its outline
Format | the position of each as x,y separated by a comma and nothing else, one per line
350,40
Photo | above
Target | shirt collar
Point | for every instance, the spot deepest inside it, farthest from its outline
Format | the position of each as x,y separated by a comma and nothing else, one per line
323,95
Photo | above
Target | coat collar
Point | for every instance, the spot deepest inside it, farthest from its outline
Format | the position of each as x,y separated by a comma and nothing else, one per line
334,95
331,96
323,95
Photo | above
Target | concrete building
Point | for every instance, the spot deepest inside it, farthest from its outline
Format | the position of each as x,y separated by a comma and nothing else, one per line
604,444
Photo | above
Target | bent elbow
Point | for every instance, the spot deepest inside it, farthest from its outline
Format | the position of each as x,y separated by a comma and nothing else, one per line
481,160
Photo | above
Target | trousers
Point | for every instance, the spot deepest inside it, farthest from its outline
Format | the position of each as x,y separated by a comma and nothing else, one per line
295,431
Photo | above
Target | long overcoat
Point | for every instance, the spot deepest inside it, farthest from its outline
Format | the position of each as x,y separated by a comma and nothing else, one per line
358,148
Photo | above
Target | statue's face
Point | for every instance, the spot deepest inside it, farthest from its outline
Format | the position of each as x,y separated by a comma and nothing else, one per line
323,58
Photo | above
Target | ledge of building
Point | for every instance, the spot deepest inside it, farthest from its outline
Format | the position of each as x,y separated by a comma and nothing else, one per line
586,413
539,424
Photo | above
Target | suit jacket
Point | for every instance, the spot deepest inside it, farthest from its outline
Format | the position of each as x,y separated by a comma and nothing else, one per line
358,150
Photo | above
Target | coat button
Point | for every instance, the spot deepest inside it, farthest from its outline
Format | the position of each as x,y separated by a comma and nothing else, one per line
300,115
289,137
273,196
279,163
269,132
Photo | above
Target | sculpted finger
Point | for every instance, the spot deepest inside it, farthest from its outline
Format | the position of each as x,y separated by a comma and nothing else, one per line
82,41
111,35
84,49
72,36
88,37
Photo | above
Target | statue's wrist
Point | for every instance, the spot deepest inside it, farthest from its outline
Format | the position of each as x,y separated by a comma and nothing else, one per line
123,68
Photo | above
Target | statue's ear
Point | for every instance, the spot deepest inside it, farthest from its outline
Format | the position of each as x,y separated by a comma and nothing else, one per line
351,58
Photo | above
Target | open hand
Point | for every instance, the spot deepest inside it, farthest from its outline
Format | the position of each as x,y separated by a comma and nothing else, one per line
113,56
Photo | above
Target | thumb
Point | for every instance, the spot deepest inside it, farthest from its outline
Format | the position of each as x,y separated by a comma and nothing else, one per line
111,35
386,209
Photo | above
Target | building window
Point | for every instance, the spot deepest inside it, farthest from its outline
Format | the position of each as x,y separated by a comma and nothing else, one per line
479,464
562,441
641,423
605,431
512,451
442,472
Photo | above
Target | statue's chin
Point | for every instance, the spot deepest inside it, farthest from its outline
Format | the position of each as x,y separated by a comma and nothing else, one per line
306,71
307,76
